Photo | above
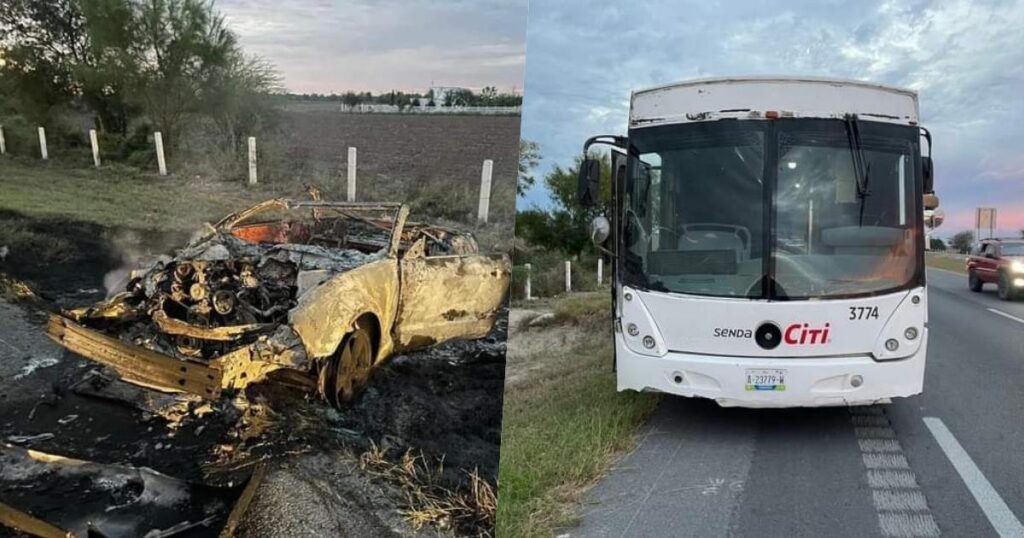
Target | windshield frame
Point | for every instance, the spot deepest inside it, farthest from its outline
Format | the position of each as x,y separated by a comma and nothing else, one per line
772,130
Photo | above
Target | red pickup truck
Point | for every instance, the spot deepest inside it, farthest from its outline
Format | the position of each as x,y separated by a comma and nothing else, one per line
997,261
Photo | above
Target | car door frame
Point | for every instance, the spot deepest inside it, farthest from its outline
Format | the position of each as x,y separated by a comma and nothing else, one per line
433,323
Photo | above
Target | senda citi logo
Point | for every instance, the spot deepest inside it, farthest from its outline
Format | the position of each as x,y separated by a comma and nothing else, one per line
801,333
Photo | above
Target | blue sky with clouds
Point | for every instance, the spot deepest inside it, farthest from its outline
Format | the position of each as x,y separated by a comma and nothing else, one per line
329,46
966,59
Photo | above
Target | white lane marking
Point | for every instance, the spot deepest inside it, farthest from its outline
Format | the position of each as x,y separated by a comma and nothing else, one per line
900,504
893,501
875,433
891,479
902,524
879,445
1005,315
998,513
885,461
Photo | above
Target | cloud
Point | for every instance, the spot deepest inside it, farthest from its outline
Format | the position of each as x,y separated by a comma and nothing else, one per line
379,45
964,58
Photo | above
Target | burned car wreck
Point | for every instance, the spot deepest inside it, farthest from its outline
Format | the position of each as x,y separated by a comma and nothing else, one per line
310,294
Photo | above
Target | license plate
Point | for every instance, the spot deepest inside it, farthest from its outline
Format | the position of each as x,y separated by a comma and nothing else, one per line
766,379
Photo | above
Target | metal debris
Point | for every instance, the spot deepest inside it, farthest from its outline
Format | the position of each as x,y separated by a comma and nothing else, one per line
310,295
29,439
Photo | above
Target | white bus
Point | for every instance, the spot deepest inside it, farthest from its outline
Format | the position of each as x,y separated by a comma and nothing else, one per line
768,241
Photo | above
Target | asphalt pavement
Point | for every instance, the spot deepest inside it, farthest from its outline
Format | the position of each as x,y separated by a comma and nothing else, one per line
948,462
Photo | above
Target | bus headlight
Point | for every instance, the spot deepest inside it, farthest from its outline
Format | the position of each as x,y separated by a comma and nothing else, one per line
639,333
1017,267
906,331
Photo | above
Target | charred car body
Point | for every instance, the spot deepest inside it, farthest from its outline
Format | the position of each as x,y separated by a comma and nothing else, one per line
307,293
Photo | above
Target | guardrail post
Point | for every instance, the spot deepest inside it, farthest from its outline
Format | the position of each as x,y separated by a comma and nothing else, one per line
485,191
600,270
158,139
529,295
42,144
3,143
252,160
95,143
351,174
568,276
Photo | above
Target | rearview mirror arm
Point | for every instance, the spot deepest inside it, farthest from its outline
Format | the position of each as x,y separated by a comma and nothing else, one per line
620,142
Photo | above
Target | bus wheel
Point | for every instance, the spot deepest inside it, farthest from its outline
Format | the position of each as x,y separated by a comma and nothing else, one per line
974,282
1006,291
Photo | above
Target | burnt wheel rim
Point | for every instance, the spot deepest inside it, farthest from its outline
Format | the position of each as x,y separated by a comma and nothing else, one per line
353,366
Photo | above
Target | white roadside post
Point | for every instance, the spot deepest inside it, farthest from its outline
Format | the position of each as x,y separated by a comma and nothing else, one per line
485,191
600,270
252,160
529,269
158,138
42,144
351,174
568,277
3,143
95,143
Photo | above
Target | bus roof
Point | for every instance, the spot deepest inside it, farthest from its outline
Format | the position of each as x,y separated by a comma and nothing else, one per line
750,97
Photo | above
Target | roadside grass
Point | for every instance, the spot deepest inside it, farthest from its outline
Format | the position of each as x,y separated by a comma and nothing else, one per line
583,307
948,262
564,426
117,196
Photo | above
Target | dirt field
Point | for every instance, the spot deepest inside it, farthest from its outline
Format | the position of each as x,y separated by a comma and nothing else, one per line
434,162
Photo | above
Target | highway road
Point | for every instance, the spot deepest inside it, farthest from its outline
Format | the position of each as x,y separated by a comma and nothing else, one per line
948,462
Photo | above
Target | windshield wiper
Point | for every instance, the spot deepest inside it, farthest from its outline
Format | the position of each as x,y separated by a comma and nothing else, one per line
861,168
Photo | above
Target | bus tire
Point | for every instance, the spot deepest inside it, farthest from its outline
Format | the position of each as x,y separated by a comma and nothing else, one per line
974,282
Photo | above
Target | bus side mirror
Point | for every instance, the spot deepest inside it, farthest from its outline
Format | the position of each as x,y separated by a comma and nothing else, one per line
589,182
926,173
600,230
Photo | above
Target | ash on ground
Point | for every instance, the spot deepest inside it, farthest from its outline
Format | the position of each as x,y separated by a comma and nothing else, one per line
161,462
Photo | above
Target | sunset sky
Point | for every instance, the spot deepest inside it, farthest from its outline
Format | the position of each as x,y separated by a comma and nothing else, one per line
964,58
326,46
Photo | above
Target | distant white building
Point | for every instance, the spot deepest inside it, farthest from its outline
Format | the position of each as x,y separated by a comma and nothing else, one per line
441,94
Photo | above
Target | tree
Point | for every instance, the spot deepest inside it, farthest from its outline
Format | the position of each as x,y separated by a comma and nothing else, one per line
105,73
41,41
937,244
351,99
962,241
565,227
183,45
238,98
119,59
529,158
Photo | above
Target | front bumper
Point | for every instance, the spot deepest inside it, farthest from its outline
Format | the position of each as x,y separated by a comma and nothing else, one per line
135,363
810,382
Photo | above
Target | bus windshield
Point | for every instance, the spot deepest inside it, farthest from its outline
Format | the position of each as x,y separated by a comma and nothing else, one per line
772,210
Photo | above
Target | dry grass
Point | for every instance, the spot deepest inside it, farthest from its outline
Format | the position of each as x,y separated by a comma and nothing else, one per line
949,262
469,510
564,423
